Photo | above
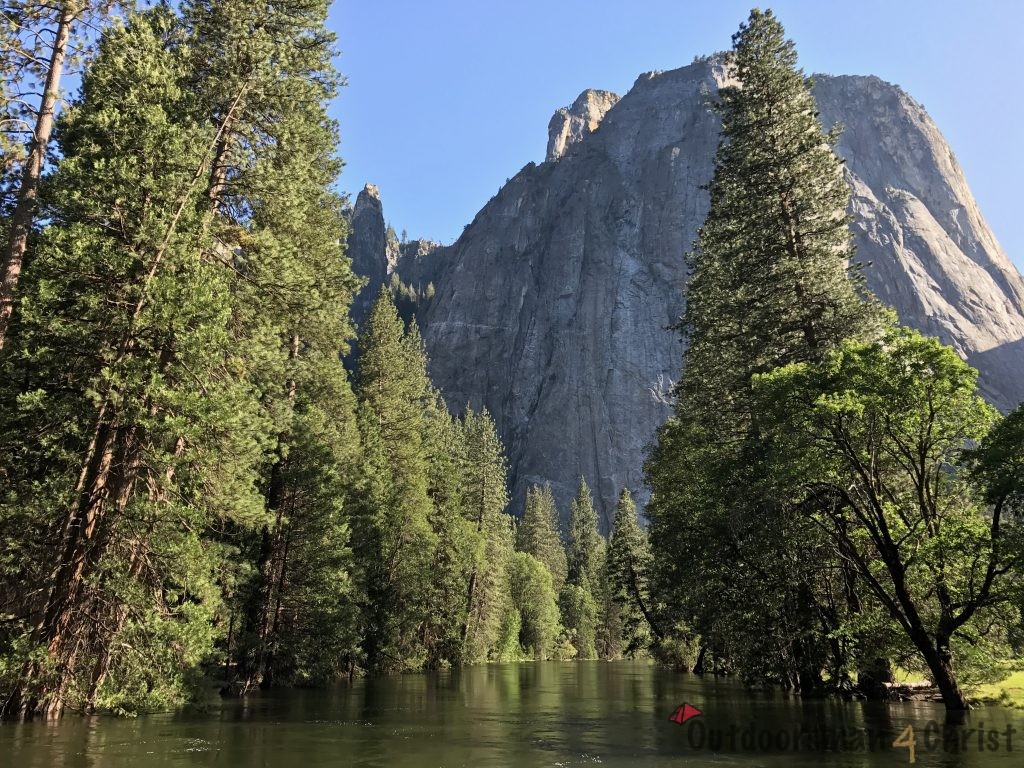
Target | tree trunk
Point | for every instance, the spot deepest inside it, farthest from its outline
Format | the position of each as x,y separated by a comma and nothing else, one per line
261,613
872,677
634,588
940,665
28,192
471,587
270,641
107,481
698,668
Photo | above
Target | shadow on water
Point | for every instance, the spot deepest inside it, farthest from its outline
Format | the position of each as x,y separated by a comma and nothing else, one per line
550,714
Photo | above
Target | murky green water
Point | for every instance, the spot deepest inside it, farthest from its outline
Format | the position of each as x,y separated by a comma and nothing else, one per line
551,714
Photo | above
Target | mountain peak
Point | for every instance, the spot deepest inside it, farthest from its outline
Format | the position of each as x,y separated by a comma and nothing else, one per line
571,124
554,307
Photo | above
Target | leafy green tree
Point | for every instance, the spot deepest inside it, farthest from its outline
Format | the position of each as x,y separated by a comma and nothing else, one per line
538,534
769,286
533,596
579,617
870,443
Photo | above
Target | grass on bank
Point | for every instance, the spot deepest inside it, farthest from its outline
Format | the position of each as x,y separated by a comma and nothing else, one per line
1008,692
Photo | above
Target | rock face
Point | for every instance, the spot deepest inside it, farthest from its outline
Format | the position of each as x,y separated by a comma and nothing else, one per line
570,125
553,308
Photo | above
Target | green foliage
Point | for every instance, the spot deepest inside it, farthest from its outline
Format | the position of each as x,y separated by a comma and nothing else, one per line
191,484
579,616
629,564
191,237
870,444
485,496
769,286
584,543
126,351
394,530
539,535
534,598
434,542
456,536
608,639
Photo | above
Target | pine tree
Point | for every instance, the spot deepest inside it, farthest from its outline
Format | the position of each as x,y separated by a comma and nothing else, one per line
629,562
771,284
485,496
190,234
135,380
608,637
274,166
584,540
36,45
453,557
538,534
396,540
578,597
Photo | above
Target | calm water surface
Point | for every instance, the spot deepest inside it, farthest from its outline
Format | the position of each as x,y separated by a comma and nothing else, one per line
550,714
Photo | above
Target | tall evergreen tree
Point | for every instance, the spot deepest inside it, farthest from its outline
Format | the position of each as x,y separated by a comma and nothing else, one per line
577,600
296,288
770,285
629,563
608,634
584,543
127,311
396,540
158,350
539,534
455,532
36,46
485,496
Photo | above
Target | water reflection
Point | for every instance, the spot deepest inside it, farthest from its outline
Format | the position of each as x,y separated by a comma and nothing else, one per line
551,714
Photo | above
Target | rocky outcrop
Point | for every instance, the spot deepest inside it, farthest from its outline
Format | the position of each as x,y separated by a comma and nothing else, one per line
373,248
570,125
931,254
553,308
419,262
377,254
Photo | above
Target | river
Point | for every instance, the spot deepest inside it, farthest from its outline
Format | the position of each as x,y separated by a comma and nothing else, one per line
557,714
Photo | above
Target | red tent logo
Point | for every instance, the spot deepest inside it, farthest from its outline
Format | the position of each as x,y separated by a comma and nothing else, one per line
684,713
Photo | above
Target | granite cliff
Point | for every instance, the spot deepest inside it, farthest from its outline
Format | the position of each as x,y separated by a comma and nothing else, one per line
553,308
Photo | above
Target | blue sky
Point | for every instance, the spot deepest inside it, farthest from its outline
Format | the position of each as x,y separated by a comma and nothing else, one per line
447,99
